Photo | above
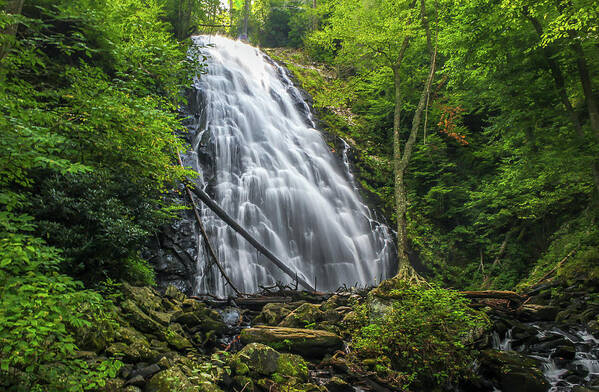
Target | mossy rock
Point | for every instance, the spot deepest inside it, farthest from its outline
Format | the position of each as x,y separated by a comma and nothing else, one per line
336,384
132,352
291,365
259,359
175,294
307,342
304,315
334,302
512,371
174,335
145,297
140,319
272,314
175,379
196,314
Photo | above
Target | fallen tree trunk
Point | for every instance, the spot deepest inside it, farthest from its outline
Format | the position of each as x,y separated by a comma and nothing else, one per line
495,294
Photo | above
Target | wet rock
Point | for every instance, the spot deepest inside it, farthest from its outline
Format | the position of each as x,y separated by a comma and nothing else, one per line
308,342
136,381
145,372
304,315
512,371
335,384
533,312
567,352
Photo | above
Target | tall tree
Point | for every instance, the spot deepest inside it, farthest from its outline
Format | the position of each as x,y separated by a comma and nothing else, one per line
381,33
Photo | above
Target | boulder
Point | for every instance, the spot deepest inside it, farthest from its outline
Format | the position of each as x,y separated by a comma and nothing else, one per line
145,297
335,384
272,314
512,371
174,379
532,312
291,365
174,293
308,342
140,319
259,359
304,315
174,335
132,346
197,316
334,302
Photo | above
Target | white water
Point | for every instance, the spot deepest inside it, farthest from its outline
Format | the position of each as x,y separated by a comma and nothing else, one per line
555,370
273,173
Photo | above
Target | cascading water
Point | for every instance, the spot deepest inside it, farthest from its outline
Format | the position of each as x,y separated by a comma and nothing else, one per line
260,157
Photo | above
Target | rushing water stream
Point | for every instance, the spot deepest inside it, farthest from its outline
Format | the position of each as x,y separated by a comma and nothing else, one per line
563,369
260,157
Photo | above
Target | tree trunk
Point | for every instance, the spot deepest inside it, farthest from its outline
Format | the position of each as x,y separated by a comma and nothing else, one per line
560,85
400,191
246,16
592,107
13,7
231,15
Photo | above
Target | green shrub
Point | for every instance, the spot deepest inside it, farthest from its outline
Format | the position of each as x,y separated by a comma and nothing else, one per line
423,338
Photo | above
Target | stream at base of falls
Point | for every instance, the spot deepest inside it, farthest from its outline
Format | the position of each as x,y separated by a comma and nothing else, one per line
568,359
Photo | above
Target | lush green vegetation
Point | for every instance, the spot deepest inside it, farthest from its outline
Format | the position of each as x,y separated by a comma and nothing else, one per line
88,92
416,337
503,175
485,112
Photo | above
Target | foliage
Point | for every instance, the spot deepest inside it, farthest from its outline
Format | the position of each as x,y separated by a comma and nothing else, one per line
88,92
39,311
422,339
500,166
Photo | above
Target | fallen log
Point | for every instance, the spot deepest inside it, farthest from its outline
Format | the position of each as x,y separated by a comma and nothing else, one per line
258,303
495,294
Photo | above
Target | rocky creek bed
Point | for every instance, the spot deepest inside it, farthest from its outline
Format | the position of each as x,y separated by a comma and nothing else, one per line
296,341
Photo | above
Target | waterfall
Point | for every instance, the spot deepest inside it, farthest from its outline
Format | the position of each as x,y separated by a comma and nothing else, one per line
259,156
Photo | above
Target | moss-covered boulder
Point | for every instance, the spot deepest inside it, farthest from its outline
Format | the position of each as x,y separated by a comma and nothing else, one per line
304,315
512,371
307,342
196,315
175,294
334,302
291,365
145,297
132,346
175,379
256,358
141,319
175,337
273,314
